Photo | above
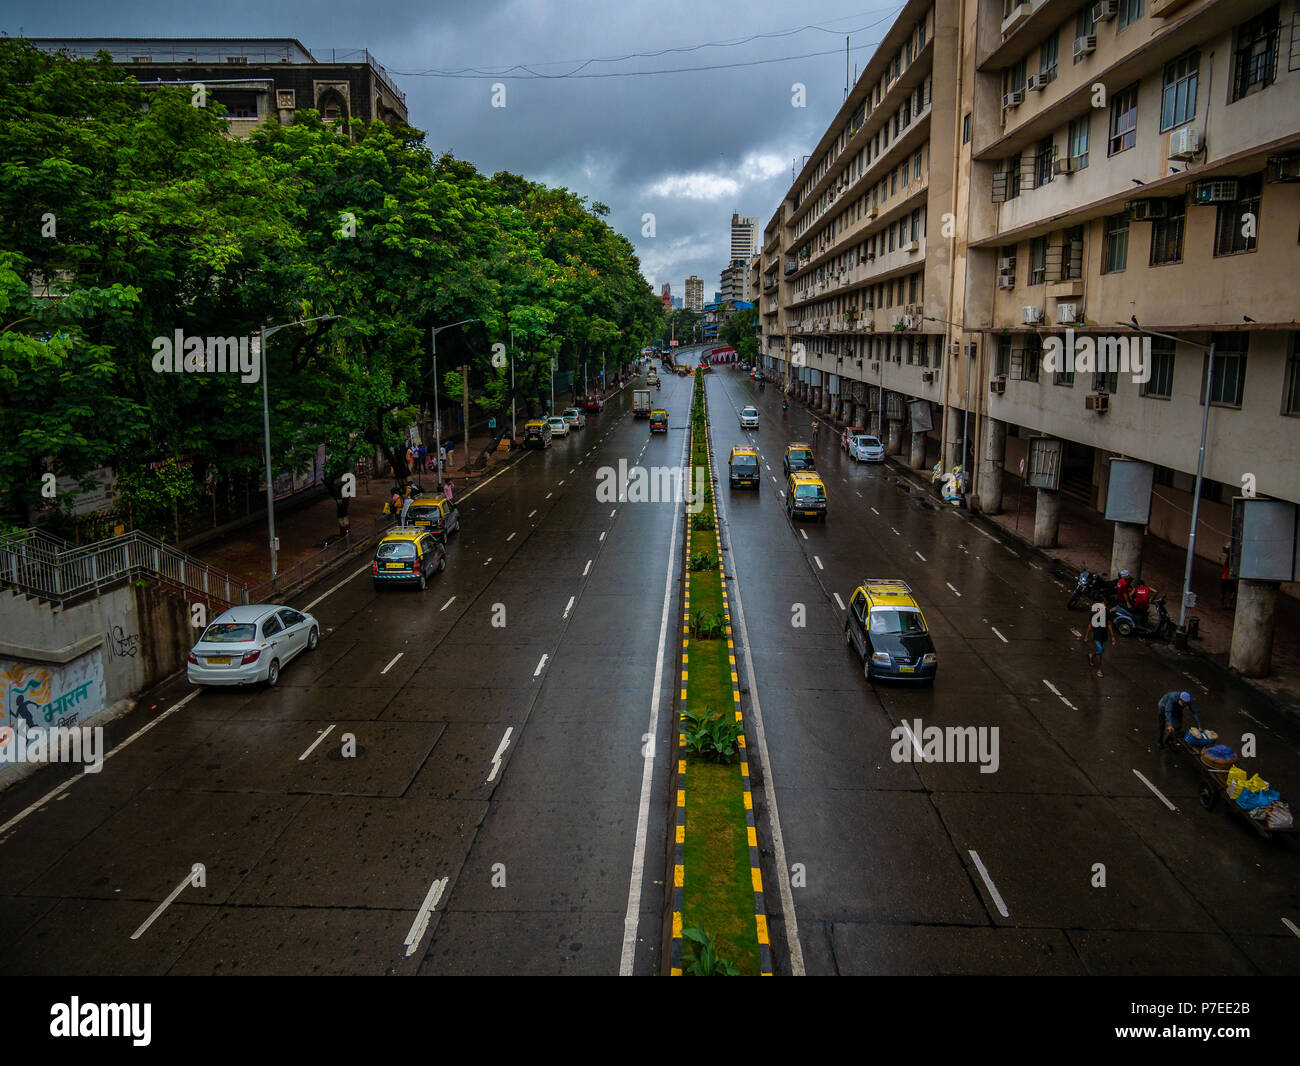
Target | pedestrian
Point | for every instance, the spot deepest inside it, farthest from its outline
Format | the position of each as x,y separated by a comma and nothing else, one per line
420,452
442,457
410,458
1169,715
1098,632
446,490
395,501
1227,586
1124,589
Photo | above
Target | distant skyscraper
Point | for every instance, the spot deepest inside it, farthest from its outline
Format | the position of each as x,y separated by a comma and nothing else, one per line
744,236
668,296
694,293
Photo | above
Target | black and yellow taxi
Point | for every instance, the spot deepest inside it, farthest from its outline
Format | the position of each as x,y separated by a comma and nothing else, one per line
537,434
407,556
659,420
437,514
798,456
742,467
887,628
805,495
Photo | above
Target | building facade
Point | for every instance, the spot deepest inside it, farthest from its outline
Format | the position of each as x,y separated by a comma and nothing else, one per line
744,236
695,293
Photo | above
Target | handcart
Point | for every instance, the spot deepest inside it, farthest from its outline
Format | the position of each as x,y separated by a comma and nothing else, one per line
1214,787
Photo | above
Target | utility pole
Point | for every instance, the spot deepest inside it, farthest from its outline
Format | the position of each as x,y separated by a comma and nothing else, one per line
512,388
464,391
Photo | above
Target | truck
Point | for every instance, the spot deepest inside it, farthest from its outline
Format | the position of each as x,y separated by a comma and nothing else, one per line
640,403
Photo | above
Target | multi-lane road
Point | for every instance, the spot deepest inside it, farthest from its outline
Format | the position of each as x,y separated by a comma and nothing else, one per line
473,779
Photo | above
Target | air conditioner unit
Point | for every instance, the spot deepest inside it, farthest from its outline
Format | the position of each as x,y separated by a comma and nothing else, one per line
1148,210
871,256
1006,265
1036,83
870,215
955,348
1184,143
1065,164
1085,45
1105,10
1097,401
927,375
909,322
998,386
1031,316
911,246
875,366
896,321
1006,281
1013,99
1283,169
1222,191
1067,314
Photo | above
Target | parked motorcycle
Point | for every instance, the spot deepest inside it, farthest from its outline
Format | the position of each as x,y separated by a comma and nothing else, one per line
1090,588
1127,622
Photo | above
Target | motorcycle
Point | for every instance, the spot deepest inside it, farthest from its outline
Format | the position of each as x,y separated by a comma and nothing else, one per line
659,384
1092,587
785,405
1127,622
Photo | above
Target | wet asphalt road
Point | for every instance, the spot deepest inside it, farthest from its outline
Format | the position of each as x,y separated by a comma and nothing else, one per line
888,849
500,722
498,785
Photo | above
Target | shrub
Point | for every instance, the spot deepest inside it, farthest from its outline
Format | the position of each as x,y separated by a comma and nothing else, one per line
703,561
708,625
711,735
702,522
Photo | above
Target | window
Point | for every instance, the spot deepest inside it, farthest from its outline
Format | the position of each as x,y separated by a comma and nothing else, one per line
1160,386
1114,253
911,288
1237,224
1063,377
1074,252
1167,234
1033,357
1123,121
1017,77
1106,381
1083,24
1291,397
1037,260
1229,380
1047,58
916,166
1079,140
1043,160
893,183
1002,365
891,236
916,224
1130,11
965,128
1254,62
1178,100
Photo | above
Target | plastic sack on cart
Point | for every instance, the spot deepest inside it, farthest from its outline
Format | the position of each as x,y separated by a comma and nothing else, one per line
1278,816
1236,782
1219,756
1249,801
1199,738
1257,784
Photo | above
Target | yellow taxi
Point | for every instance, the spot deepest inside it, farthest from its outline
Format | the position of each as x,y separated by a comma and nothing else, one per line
407,557
537,434
659,421
742,467
805,495
437,514
798,456
886,626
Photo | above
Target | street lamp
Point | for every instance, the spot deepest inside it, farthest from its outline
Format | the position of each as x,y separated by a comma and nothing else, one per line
266,333
1200,456
437,411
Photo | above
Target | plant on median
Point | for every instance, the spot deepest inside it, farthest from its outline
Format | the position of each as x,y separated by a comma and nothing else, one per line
702,522
703,561
706,962
708,625
711,735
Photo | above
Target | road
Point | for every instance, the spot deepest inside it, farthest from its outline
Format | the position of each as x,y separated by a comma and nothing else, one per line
489,820
900,860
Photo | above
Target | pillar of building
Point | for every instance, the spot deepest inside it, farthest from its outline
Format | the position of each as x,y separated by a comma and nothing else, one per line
893,436
859,414
993,459
1047,518
1126,548
916,460
952,443
828,400
1252,628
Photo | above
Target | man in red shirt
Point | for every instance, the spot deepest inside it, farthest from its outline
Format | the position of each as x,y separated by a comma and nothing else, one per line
1124,589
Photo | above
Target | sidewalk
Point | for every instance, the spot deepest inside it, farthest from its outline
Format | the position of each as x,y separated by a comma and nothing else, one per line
1084,539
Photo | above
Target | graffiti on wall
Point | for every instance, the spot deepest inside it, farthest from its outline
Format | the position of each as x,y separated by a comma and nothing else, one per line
120,644
37,696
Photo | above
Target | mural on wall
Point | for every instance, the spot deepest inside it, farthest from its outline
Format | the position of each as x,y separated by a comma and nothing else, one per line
39,696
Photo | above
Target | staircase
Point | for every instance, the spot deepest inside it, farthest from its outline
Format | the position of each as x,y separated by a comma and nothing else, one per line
36,564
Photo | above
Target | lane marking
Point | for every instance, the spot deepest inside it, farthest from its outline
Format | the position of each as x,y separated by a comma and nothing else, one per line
918,555
189,879
953,587
586,569
541,663
571,469
993,889
896,533
510,538
531,513
1291,925
1076,632
447,604
487,560
421,923
613,512
839,601
1057,691
1000,636
501,748
391,663
548,495
803,534
335,588
818,561
873,510
568,607
602,537
562,480
1158,793
322,736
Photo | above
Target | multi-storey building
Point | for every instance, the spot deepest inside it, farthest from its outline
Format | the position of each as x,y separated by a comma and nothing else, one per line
254,78
744,235
695,293
1005,171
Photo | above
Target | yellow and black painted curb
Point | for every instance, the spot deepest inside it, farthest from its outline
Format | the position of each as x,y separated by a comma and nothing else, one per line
679,845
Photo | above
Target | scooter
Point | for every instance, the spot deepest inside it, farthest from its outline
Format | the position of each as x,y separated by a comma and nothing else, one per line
760,385
1090,588
1127,622
785,405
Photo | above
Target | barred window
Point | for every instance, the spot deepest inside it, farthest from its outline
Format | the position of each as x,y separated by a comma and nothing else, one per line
1178,99
1238,223
1229,381
1123,121
1114,256
1160,386
1254,61
1167,234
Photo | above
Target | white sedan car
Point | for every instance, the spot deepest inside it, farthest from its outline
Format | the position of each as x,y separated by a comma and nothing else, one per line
559,427
575,417
864,446
749,417
251,643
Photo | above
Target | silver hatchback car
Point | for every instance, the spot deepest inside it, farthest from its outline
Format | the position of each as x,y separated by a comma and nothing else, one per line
250,644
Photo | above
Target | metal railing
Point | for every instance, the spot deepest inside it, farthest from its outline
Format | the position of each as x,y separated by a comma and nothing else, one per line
40,565
306,570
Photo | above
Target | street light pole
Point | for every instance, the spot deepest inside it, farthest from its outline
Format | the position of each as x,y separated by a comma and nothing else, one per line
264,335
437,410
512,388
1200,458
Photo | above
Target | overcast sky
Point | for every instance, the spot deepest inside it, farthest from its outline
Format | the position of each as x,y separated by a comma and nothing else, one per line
690,147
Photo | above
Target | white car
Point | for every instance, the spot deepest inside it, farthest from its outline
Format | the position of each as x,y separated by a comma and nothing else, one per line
251,643
575,417
749,417
559,427
865,446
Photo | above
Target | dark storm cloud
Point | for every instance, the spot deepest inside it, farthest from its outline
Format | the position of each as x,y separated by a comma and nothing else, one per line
689,147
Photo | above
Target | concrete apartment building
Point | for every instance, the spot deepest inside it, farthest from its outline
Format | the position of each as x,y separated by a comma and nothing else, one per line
744,236
254,78
1096,163
695,294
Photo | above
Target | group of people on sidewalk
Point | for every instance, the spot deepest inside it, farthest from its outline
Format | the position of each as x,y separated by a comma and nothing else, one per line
419,460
